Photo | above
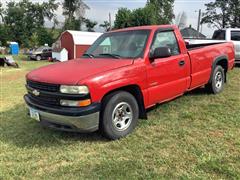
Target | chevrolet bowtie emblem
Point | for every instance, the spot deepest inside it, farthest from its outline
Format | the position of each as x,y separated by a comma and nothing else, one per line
36,92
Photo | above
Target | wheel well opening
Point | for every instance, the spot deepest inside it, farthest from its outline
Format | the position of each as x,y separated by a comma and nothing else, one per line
224,64
136,92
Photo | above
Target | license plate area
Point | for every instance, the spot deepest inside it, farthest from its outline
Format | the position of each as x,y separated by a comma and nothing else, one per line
34,114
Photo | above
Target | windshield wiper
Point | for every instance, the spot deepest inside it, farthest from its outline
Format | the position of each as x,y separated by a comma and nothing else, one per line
89,55
112,55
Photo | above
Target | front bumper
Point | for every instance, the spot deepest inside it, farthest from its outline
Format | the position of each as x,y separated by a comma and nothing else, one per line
68,119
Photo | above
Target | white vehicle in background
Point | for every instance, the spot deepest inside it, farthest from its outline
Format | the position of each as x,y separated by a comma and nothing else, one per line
219,36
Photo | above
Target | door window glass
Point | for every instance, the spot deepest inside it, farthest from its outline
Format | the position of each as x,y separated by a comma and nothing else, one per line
235,35
219,35
166,39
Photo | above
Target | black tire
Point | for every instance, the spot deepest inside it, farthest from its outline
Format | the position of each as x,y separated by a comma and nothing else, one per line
111,109
216,84
38,57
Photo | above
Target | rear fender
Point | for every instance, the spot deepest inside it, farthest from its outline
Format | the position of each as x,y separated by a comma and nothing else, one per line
216,62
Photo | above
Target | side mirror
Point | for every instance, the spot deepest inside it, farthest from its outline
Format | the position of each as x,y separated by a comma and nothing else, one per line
161,52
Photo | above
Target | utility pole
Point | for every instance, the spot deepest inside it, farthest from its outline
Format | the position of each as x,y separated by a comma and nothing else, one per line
199,20
110,21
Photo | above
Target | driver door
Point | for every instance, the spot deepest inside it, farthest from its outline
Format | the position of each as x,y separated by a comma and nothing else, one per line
167,77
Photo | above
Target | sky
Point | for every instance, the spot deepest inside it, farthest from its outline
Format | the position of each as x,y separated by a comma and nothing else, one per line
100,9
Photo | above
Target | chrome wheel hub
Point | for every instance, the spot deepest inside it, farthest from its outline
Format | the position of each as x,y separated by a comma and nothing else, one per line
122,116
218,80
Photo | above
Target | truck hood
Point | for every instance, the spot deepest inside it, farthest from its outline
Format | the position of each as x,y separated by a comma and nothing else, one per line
71,72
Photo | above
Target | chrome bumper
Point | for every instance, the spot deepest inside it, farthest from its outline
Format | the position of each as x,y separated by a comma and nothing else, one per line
237,61
87,123
67,119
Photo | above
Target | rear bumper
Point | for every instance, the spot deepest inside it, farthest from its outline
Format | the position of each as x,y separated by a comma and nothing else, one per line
68,119
237,61
32,56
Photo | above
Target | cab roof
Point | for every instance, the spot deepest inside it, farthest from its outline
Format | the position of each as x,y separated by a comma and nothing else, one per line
151,27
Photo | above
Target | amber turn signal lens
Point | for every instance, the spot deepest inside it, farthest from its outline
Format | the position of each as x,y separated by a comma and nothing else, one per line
84,103
72,103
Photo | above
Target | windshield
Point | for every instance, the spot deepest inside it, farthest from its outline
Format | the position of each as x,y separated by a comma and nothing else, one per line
127,44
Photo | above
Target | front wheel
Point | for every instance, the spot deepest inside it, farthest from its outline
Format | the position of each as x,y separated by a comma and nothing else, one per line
119,115
216,84
38,58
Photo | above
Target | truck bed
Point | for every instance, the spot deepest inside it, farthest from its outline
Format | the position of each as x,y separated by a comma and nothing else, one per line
202,57
196,43
199,43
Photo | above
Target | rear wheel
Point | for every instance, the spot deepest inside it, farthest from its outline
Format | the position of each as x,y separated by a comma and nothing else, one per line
216,84
119,115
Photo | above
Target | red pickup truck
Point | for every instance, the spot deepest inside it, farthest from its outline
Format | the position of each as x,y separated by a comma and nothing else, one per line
121,75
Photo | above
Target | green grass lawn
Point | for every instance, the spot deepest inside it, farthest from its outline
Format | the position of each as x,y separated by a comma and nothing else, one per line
196,136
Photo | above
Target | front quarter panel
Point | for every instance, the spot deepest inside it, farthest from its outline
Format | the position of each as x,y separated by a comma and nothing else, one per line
103,83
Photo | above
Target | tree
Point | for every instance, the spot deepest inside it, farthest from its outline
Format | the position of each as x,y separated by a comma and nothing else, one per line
74,11
123,18
49,9
155,12
105,25
217,14
90,25
24,18
44,37
33,41
144,16
3,35
1,12
163,10
137,17
234,11
14,20
55,23
222,13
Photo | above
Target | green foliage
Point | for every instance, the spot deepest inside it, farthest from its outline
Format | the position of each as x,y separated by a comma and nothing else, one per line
24,18
33,41
123,18
3,35
163,10
74,11
155,12
105,25
72,24
1,12
144,16
234,10
90,25
217,14
221,14
44,37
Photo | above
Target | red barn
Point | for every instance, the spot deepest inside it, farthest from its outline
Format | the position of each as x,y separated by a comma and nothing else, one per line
77,42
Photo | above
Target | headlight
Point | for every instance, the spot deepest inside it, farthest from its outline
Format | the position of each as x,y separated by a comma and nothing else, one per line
73,103
74,89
